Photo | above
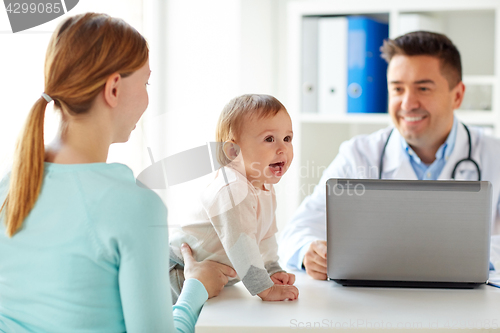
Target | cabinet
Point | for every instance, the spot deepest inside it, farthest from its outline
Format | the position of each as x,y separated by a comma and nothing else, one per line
473,25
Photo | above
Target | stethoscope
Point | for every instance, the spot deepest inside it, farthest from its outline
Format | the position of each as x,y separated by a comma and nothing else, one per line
468,159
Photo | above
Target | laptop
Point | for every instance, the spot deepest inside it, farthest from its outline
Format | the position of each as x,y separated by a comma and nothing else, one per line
400,233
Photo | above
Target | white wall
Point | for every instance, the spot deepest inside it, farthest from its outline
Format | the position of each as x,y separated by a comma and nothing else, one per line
22,59
202,54
215,50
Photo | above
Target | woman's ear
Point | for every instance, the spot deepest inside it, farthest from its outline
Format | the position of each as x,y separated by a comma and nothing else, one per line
112,89
231,150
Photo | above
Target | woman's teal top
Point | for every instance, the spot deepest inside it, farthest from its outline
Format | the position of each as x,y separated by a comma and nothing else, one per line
92,256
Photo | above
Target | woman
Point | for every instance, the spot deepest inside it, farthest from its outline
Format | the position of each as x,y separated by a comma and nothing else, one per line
84,249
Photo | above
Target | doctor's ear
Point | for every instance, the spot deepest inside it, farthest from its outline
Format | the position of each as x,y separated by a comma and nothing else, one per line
458,95
231,150
112,89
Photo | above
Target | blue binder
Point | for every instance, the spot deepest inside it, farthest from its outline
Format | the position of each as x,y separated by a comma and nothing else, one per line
367,79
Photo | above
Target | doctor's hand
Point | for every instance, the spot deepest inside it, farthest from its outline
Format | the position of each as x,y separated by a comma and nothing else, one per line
315,260
212,274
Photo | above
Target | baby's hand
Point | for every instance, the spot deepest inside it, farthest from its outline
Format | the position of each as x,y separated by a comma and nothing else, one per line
279,293
283,278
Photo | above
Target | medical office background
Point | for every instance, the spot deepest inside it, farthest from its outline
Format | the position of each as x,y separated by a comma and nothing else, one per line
203,53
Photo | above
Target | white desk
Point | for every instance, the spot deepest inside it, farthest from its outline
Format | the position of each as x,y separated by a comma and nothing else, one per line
330,306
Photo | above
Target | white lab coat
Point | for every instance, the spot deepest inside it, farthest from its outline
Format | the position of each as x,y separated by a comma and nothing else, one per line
360,158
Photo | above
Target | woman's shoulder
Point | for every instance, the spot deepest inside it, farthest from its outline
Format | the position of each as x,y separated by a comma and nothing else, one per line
107,189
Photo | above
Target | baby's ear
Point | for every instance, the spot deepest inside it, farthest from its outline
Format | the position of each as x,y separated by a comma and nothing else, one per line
231,150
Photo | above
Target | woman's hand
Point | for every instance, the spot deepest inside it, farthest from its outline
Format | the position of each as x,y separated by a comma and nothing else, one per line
212,274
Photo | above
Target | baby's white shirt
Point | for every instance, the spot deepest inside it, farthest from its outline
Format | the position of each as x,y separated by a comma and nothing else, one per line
234,223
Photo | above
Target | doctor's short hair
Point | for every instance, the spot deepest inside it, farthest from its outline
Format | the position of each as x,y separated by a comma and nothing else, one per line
430,44
236,112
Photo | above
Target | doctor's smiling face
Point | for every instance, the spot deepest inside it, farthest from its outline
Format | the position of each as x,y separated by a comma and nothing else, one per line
421,100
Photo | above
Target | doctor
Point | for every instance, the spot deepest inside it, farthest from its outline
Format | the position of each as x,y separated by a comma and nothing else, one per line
427,142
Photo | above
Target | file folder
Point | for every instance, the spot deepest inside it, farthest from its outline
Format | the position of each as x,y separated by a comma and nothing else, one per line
309,65
332,65
367,79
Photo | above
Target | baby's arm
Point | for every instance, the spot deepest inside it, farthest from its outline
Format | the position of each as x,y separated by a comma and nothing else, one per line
254,277
269,252
242,250
282,288
236,228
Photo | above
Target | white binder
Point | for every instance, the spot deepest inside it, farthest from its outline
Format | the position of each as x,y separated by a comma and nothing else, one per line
309,65
332,65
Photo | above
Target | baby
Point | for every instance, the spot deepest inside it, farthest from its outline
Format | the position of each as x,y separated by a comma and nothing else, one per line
234,220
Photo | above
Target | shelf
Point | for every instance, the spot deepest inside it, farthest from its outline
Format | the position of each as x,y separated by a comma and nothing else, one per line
350,118
479,79
471,117
476,117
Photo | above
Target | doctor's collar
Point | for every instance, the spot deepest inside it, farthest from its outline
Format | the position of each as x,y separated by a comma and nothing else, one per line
444,150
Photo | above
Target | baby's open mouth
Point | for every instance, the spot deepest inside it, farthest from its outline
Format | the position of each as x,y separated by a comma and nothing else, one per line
277,168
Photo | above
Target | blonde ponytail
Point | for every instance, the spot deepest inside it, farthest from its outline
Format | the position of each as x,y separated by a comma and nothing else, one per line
27,171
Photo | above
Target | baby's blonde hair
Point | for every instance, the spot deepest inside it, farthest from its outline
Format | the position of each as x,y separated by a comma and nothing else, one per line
236,112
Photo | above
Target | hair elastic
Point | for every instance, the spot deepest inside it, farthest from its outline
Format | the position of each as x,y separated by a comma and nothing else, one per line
47,97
